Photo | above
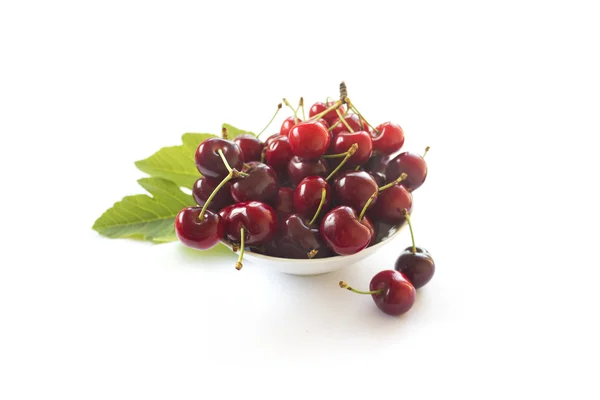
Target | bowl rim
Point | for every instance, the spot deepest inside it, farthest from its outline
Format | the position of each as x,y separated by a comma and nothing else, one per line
318,260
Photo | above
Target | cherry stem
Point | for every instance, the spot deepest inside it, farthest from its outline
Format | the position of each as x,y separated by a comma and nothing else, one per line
426,150
349,154
214,193
344,121
224,133
231,171
389,185
344,285
272,119
351,105
343,91
335,106
238,264
293,110
364,210
323,196
301,105
312,253
412,235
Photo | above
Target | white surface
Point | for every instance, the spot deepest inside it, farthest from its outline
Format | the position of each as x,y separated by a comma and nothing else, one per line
507,95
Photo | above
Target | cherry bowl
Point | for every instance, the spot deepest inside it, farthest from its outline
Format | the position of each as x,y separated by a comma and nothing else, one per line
316,266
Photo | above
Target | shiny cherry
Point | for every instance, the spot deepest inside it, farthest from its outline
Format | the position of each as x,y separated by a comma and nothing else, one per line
353,120
287,125
260,184
388,138
251,147
258,220
284,204
319,107
354,188
308,193
209,162
205,186
301,240
344,140
410,163
415,262
376,167
309,140
344,233
390,205
198,234
300,168
278,153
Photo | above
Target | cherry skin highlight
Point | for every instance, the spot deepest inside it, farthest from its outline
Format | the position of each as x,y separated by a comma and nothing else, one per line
201,235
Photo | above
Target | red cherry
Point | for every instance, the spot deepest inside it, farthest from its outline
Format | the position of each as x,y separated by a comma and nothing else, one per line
209,162
308,194
354,189
353,120
204,187
390,205
197,234
284,205
309,140
287,125
279,153
251,147
260,184
299,169
344,233
388,138
258,220
319,107
394,294
345,140
413,165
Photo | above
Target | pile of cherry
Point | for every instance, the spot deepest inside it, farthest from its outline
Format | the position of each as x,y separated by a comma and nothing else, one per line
328,185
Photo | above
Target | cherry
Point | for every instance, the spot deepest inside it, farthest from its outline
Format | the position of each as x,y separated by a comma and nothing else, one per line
299,169
309,140
208,160
258,220
205,186
260,184
345,140
410,163
251,147
391,291
376,167
284,204
387,138
308,194
271,138
198,233
319,107
300,240
287,125
353,121
390,204
346,232
354,189
415,262
278,153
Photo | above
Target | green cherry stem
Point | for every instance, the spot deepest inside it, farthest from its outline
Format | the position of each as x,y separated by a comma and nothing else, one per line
351,106
214,193
323,197
344,285
344,121
301,105
389,185
224,133
412,235
426,150
238,264
364,210
272,119
349,154
291,108
335,106
231,171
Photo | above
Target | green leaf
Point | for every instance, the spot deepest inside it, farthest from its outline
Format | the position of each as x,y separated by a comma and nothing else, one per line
175,163
232,131
144,217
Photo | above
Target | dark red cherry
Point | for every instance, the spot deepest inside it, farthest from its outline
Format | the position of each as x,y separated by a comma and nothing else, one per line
354,189
418,267
388,138
271,138
198,234
251,147
209,162
301,240
344,140
376,167
307,196
204,187
300,168
279,153
287,125
309,140
319,107
344,233
390,205
413,165
353,120
258,220
394,295
284,204
260,184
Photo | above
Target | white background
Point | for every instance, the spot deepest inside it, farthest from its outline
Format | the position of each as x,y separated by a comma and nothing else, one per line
506,93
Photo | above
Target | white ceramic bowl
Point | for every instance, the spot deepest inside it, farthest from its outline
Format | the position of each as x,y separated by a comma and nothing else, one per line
316,266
